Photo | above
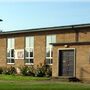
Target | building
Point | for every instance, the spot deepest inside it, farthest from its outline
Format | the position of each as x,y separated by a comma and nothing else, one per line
65,48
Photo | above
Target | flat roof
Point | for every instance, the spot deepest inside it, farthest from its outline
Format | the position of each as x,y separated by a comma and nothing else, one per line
47,29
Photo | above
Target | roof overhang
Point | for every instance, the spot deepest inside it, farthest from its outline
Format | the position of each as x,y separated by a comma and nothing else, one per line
72,27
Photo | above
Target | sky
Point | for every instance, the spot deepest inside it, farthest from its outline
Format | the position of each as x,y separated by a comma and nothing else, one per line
28,14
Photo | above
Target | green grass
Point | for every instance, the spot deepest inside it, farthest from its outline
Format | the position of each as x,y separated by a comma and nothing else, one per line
21,78
9,82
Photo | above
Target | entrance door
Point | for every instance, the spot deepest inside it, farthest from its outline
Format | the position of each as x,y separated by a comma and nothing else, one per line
66,62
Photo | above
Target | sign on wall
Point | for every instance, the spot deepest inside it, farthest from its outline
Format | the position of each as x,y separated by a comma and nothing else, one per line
19,54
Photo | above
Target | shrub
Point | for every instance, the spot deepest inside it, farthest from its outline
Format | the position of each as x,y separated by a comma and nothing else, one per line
43,70
39,72
28,71
48,72
9,71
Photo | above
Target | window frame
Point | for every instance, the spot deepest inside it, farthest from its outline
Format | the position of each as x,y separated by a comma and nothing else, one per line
50,47
9,49
28,49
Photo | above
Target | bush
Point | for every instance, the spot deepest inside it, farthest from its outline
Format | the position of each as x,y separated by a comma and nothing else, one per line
48,71
9,71
28,71
39,72
43,70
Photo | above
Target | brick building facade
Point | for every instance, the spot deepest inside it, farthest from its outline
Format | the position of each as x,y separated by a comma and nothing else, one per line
65,48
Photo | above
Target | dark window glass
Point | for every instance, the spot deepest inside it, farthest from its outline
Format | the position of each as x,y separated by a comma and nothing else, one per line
31,54
12,52
31,60
12,60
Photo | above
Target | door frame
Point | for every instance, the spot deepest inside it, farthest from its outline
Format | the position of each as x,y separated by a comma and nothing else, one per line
61,49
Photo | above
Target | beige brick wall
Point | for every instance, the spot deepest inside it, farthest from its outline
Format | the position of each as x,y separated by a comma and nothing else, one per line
3,52
39,50
84,36
82,60
66,37
19,44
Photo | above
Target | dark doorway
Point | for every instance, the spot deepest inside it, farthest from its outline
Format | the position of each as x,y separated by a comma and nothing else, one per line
66,62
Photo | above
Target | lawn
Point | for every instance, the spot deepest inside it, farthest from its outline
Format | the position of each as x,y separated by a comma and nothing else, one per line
8,82
21,78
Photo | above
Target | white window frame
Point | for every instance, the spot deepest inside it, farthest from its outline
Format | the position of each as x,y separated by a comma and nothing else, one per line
50,58
28,49
10,50
50,48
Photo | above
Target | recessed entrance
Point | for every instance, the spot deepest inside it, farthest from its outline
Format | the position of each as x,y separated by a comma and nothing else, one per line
66,62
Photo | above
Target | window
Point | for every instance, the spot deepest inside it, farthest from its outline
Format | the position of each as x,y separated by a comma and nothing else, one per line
29,50
10,50
49,53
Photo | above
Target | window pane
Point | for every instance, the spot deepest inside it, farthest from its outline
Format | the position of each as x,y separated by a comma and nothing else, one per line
31,60
51,61
29,41
26,53
28,60
12,61
31,54
47,61
53,39
48,52
10,43
8,53
8,60
12,52
48,40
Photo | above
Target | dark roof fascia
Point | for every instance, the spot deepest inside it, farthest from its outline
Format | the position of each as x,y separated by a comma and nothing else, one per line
36,30
47,29
70,43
